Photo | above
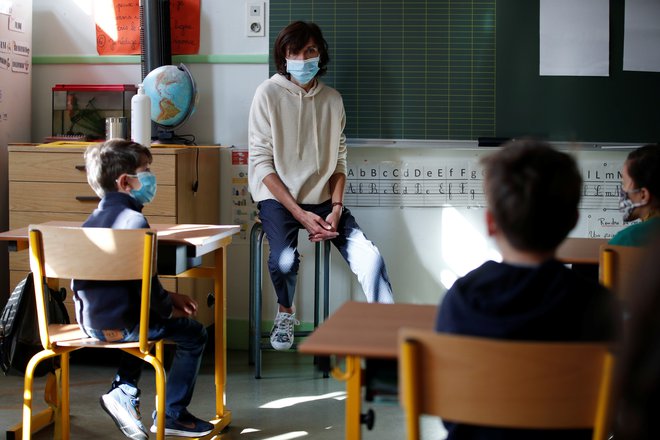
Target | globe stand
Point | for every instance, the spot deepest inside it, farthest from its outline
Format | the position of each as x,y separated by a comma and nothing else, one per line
168,137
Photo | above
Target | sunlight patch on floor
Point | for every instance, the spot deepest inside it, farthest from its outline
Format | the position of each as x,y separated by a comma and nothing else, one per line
290,401
289,435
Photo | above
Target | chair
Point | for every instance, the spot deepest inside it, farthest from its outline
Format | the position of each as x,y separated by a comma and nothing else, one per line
618,265
255,345
507,384
90,254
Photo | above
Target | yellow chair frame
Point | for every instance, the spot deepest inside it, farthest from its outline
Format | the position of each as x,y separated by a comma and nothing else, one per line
90,254
508,384
618,264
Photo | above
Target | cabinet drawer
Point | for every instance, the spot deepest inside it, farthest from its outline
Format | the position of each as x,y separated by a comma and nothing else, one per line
20,219
50,166
76,197
47,167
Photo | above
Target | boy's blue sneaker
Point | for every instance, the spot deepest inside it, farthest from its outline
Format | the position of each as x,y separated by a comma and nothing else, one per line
186,425
122,403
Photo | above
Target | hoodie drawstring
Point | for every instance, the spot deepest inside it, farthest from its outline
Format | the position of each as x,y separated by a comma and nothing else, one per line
300,104
316,137
315,131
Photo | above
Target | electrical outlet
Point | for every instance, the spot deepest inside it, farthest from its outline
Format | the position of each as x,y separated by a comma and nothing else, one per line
255,15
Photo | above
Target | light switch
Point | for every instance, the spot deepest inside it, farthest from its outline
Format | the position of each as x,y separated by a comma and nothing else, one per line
255,19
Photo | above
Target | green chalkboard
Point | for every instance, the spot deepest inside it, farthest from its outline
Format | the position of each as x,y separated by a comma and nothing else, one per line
623,107
454,70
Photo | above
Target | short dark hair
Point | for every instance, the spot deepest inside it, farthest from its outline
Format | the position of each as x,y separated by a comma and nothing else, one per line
533,192
293,38
105,162
643,166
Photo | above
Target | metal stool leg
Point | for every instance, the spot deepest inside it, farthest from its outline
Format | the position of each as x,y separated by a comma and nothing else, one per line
256,252
253,280
321,264
322,253
317,281
326,280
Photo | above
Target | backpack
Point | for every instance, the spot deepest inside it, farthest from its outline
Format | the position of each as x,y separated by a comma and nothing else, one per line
19,327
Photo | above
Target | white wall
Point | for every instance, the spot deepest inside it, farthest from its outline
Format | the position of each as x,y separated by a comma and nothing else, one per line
66,27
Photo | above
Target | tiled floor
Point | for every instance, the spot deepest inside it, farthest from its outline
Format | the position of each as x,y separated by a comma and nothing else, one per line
291,401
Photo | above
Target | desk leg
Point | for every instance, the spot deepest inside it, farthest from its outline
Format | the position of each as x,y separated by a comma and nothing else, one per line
223,417
353,378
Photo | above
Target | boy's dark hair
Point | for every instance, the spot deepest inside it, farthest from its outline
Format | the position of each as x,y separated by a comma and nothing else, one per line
644,169
533,192
107,161
293,38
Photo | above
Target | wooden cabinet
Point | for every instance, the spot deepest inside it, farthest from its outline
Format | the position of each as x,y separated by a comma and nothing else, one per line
49,183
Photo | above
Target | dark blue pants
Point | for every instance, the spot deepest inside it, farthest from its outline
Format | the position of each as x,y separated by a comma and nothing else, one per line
362,256
190,338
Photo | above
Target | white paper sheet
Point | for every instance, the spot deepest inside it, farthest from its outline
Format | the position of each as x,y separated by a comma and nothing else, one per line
574,37
641,41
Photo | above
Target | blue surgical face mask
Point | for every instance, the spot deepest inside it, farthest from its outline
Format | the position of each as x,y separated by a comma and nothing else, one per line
303,71
145,194
627,206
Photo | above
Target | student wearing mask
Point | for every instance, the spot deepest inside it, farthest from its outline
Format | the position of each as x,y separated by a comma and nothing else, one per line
118,172
639,196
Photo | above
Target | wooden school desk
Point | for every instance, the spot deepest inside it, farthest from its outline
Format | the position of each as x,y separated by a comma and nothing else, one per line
358,331
196,240
580,250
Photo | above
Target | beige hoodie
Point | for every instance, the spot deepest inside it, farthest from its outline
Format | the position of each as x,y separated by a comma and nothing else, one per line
298,135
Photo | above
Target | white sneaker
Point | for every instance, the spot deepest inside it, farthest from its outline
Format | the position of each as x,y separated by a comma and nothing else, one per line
122,403
281,336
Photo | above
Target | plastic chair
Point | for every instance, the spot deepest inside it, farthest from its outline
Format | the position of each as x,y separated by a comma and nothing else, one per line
256,344
507,384
618,264
90,254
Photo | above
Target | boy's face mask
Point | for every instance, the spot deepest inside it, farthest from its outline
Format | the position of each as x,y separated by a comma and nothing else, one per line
145,194
303,71
627,206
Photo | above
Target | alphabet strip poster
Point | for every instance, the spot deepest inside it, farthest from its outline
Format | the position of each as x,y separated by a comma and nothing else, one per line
458,183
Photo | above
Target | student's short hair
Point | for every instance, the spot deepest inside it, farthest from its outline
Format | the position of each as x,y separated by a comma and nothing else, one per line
107,161
644,168
533,192
293,38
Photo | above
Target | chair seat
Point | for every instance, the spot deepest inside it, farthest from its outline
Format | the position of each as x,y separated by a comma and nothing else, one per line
70,335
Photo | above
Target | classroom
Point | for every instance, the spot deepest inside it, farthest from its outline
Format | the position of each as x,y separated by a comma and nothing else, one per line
430,89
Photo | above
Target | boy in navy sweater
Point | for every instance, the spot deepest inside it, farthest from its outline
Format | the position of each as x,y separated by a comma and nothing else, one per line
532,192
118,171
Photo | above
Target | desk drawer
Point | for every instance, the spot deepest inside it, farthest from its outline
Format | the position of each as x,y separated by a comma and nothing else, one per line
77,198
42,166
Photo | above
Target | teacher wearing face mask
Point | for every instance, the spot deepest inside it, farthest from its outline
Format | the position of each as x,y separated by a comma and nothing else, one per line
639,197
297,172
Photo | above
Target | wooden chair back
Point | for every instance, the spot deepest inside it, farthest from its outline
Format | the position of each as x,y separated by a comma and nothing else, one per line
617,266
508,384
91,254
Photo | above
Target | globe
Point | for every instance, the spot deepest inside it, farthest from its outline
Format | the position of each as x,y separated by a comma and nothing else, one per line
173,95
